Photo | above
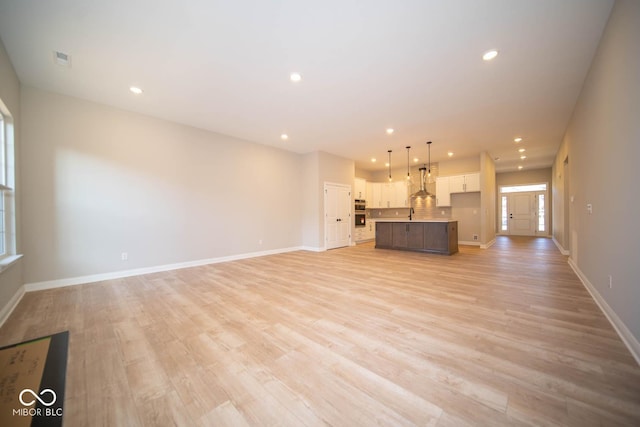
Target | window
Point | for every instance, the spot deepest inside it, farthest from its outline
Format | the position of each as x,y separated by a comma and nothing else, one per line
504,225
541,214
7,220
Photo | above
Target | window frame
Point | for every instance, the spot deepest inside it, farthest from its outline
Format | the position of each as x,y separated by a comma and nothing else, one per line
7,190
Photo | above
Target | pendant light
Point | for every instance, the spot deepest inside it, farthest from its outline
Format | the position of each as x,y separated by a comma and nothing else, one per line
429,170
423,178
408,164
389,151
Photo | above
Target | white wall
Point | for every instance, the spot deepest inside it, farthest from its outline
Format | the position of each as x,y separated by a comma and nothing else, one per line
98,181
318,168
603,145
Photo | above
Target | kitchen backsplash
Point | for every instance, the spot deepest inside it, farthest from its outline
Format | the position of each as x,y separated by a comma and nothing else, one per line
424,208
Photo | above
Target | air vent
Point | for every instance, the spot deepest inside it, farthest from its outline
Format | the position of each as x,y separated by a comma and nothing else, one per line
62,59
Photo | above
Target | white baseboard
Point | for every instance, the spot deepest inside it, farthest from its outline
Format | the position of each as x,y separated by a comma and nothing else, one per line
71,281
6,311
562,250
468,243
488,245
312,249
625,334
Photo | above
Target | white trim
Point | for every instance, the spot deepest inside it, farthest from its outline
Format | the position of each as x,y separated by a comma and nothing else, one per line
72,281
562,250
8,261
488,245
6,311
312,249
625,334
475,243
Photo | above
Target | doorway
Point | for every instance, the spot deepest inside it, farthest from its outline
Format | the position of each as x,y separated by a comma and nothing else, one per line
337,215
524,210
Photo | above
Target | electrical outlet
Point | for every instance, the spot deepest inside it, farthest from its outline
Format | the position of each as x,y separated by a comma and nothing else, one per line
260,241
475,237
610,282
124,256
589,208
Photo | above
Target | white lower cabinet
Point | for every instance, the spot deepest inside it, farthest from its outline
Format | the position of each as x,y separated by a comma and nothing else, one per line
366,233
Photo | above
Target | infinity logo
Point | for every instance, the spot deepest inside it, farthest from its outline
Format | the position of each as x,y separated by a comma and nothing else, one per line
42,393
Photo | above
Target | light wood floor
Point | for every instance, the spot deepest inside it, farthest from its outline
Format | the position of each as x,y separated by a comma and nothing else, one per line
350,337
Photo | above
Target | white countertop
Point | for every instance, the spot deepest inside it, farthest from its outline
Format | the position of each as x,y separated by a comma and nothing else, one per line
413,220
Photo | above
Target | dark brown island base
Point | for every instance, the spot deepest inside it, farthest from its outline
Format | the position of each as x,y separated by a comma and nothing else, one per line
421,235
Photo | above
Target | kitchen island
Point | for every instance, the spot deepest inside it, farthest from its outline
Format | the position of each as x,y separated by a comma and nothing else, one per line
422,235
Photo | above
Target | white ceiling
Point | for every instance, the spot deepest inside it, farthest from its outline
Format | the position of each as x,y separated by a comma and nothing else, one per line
414,65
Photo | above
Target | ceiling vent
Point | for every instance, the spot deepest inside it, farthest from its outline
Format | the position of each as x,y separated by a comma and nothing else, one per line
62,59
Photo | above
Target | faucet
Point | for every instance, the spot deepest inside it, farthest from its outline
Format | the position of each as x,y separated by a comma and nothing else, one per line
411,212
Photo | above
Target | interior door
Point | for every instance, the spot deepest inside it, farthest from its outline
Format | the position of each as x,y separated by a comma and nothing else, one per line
337,212
521,209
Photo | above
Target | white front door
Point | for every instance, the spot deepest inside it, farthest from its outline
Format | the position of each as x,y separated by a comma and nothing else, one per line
337,213
521,208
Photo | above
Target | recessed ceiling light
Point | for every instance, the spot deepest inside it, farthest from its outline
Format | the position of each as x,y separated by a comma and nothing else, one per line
136,90
521,150
373,160
450,154
295,77
489,55
523,157
386,164
520,167
415,160
284,137
518,139
389,131
496,158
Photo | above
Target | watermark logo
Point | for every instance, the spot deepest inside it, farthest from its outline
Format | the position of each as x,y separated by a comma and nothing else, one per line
35,397
47,398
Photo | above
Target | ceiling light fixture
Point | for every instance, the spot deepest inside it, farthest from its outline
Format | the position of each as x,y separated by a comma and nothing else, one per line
520,167
136,90
295,77
408,163
523,157
518,139
521,150
373,160
284,137
450,154
415,160
489,55
389,164
389,131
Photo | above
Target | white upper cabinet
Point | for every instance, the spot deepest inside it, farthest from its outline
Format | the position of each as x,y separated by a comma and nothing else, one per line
387,195
443,193
464,183
359,188
472,182
400,194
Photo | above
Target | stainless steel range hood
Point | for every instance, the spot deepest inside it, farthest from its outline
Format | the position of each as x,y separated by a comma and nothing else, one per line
423,185
423,178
